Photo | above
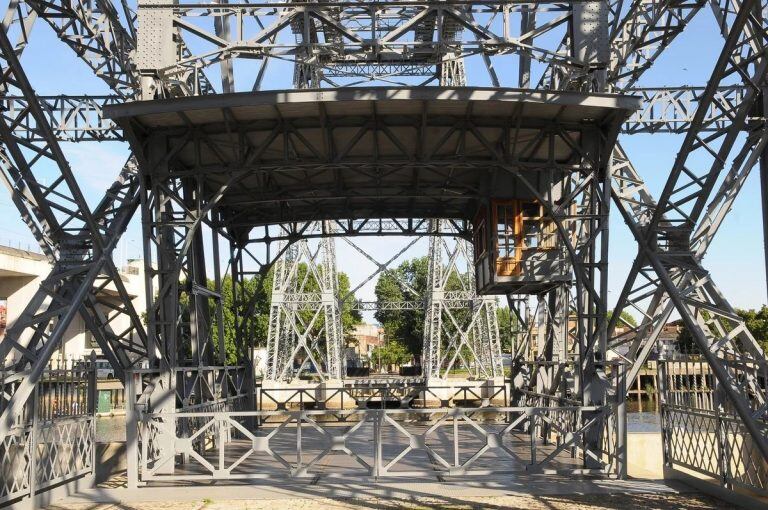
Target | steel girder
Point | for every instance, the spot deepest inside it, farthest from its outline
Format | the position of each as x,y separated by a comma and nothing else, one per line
665,110
644,17
673,236
174,211
78,244
637,38
632,192
19,17
644,32
72,118
96,33
593,36
336,38
351,228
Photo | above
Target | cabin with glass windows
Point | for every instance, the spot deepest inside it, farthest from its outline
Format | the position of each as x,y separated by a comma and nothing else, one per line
517,248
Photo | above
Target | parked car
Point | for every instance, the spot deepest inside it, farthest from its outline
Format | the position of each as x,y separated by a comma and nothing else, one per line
104,370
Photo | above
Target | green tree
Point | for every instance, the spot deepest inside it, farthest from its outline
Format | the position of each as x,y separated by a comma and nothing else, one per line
392,353
405,326
349,316
507,326
256,292
626,317
685,341
257,289
755,320
757,323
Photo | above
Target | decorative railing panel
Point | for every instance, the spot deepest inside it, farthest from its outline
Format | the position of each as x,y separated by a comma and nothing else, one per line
373,442
54,441
701,434
15,451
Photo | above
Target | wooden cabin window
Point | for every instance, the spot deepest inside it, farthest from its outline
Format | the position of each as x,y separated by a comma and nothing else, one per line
539,231
505,230
508,237
520,226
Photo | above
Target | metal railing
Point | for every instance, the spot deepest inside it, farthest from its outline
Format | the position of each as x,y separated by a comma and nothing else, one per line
410,396
376,442
701,435
54,441
378,430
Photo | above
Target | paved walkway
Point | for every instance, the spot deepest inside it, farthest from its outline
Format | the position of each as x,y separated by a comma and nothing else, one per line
529,493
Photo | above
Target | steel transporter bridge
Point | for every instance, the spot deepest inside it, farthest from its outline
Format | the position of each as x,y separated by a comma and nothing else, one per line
263,133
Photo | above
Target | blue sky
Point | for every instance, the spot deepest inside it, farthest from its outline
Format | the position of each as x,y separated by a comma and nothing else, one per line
735,258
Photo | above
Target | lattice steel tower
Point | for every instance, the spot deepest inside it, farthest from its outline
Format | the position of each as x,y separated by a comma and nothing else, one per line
305,320
461,330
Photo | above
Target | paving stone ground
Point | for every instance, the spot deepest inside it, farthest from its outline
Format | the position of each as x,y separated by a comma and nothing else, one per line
570,502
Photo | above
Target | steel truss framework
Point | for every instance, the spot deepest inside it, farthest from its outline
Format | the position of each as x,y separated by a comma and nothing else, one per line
665,110
305,297
603,46
305,317
457,336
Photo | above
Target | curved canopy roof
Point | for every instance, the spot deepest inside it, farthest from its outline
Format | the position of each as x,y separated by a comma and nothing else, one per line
370,153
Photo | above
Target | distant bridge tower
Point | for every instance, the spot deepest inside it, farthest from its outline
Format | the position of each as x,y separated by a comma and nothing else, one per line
305,330
461,329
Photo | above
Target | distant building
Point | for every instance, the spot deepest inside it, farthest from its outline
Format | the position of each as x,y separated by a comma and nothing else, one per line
671,330
368,337
22,271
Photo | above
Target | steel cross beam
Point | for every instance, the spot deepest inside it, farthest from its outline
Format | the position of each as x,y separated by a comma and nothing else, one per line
665,110
72,118
643,34
96,34
673,109
664,230
413,39
77,242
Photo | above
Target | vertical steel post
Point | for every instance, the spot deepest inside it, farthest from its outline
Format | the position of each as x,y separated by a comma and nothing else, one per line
378,417
661,385
527,24
621,420
764,202
132,380
34,451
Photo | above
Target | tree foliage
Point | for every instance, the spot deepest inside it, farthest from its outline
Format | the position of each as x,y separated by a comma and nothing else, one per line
256,318
254,306
507,325
407,326
625,316
757,323
392,353
404,326
755,320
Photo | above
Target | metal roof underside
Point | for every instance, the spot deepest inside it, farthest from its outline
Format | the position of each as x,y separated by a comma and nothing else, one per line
370,153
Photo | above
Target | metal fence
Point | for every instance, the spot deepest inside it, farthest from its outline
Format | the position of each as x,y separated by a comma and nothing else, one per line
380,431
53,442
701,434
